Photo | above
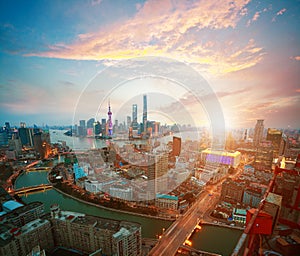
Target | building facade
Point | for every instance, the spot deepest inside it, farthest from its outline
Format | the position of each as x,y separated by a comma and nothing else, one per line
258,132
231,158
19,241
89,233
232,191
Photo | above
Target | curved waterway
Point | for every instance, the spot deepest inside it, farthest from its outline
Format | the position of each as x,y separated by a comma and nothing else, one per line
150,227
210,238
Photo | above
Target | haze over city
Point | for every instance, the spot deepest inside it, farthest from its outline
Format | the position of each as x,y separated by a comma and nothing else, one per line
248,52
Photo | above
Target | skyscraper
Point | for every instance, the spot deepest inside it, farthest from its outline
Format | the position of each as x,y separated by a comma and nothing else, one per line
157,170
258,132
275,136
103,126
176,146
128,122
97,128
134,117
81,128
145,112
90,123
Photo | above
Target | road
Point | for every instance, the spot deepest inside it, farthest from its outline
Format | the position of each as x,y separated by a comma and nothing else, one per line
179,231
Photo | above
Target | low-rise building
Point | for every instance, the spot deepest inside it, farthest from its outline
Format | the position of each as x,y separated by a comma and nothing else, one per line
121,192
166,201
230,158
239,215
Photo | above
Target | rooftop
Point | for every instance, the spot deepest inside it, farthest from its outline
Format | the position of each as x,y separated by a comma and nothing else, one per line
165,196
222,153
11,205
121,233
274,198
242,212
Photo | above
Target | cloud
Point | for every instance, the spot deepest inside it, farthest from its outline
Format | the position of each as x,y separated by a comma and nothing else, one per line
282,11
67,84
295,58
223,94
254,18
168,28
96,2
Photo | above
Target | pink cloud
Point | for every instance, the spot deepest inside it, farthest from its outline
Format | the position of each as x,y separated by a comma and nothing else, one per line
295,58
256,16
166,28
96,2
282,11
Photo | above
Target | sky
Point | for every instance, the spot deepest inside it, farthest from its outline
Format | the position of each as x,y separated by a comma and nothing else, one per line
55,55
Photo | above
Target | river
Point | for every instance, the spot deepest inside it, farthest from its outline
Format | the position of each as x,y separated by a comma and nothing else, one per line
220,240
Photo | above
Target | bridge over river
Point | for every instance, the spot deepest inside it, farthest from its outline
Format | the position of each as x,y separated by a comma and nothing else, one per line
27,190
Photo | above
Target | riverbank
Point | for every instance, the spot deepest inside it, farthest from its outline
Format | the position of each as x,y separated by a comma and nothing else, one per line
75,197
111,209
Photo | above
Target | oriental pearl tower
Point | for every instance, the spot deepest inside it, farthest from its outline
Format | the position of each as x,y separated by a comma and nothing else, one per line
110,125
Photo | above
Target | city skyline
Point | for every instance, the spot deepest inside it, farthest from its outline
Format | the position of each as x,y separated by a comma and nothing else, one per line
248,51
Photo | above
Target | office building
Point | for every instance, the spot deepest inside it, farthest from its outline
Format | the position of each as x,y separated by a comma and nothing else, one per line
121,192
20,241
176,146
145,113
134,117
23,214
258,132
232,191
89,233
157,170
275,136
252,196
103,126
231,158
90,123
8,130
26,135
166,201
263,157
78,171
3,137
128,122
42,144
97,128
81,128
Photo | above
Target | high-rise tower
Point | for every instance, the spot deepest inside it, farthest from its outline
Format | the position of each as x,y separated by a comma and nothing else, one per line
258,132
134,117
145,112
109,121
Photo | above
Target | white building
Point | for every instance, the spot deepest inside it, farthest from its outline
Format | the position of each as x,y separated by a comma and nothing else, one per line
121,192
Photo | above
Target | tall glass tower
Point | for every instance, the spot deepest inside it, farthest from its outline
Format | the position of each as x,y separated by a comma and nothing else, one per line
134,117
145,112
